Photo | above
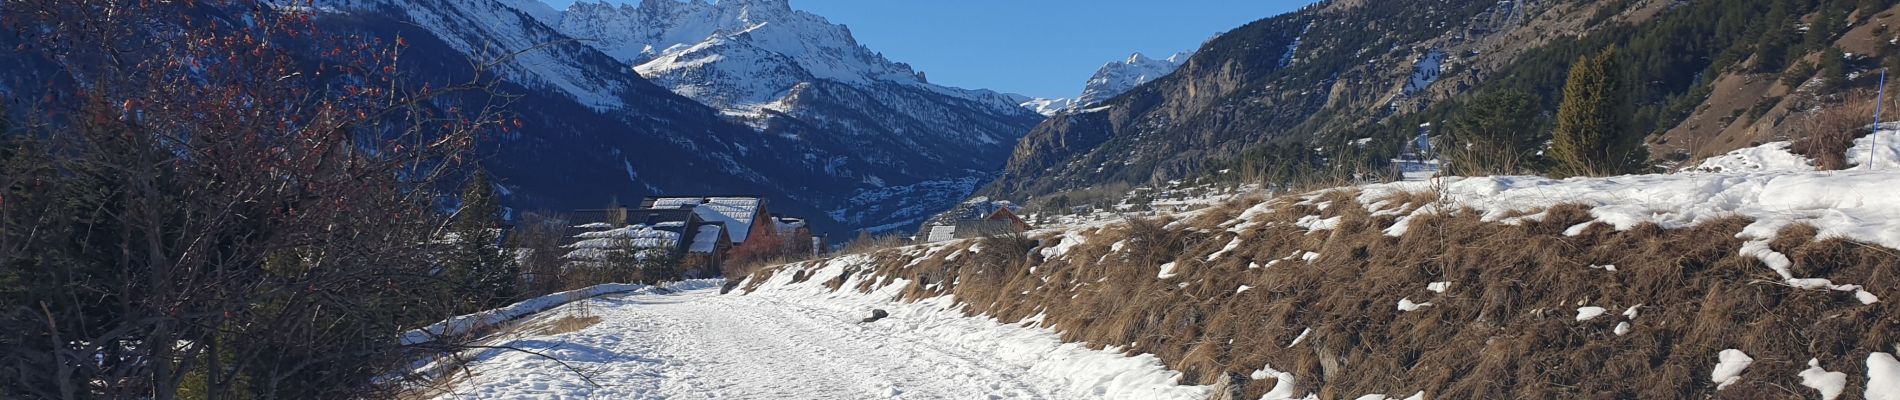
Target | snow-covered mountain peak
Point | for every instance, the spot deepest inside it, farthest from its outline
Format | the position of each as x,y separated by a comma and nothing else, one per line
826,49
1116,78
836,109
1143,59
1140,58
741,55
762,5
1113,79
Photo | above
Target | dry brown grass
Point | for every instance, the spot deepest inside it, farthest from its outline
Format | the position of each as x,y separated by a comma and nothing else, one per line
1505,329
869,243
567,324
1825,134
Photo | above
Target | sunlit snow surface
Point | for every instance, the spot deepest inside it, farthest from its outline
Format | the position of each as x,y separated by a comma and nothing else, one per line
1728,369
801,341
1883,377
1765,184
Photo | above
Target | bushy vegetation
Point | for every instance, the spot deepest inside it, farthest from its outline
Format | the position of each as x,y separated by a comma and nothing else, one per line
1670,63
1496,133
1663,66
220,201
537,239
1826,134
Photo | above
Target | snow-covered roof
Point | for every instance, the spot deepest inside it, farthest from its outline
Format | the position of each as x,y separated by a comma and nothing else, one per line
737,213
940,233
707,240
597,245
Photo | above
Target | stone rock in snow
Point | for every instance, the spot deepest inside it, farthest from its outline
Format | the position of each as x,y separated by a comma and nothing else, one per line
1229,388
877,315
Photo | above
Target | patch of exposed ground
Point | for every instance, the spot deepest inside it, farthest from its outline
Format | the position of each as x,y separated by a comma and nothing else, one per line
1313,295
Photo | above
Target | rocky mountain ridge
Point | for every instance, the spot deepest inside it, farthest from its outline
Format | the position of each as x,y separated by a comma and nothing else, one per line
1112,79
793,74
1334,91
728,97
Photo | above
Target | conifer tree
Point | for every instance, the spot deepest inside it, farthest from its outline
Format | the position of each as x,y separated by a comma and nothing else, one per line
1826,23
1772,42
1495,132
1591,136
1833,70
484,275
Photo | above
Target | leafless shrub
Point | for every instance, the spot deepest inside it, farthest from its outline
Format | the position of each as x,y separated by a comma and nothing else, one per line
212,215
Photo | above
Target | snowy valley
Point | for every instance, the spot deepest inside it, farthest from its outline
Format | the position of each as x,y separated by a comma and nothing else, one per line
793,74
1218,285
747,199
798,109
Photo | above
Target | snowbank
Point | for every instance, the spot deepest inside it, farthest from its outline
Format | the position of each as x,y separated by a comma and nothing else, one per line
1883,377
1775,156
1729,368
1852,204
1879,150
1766,184
1830,384
465,324
1284,385
1104,374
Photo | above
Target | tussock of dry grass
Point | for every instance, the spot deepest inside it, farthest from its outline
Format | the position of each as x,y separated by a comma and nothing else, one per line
869,244
567,324
1505,329
1825,134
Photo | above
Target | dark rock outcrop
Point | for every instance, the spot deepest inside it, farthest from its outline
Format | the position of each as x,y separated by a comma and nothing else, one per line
877,315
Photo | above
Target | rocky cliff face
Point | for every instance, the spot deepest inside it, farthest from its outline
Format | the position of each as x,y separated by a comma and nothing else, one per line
1296,80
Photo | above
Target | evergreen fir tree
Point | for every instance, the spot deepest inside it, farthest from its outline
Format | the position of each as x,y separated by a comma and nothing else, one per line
1772,44
485,276
1833,69
1826,23
1495,132
1591,136
1798,74
1868,7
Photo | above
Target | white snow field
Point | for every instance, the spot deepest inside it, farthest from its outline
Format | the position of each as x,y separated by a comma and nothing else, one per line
1767,184
802,342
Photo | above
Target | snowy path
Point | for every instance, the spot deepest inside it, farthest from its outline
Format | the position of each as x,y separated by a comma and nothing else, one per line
701,345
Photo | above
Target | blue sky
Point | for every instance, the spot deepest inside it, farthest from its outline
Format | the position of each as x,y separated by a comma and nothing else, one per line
1043,48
